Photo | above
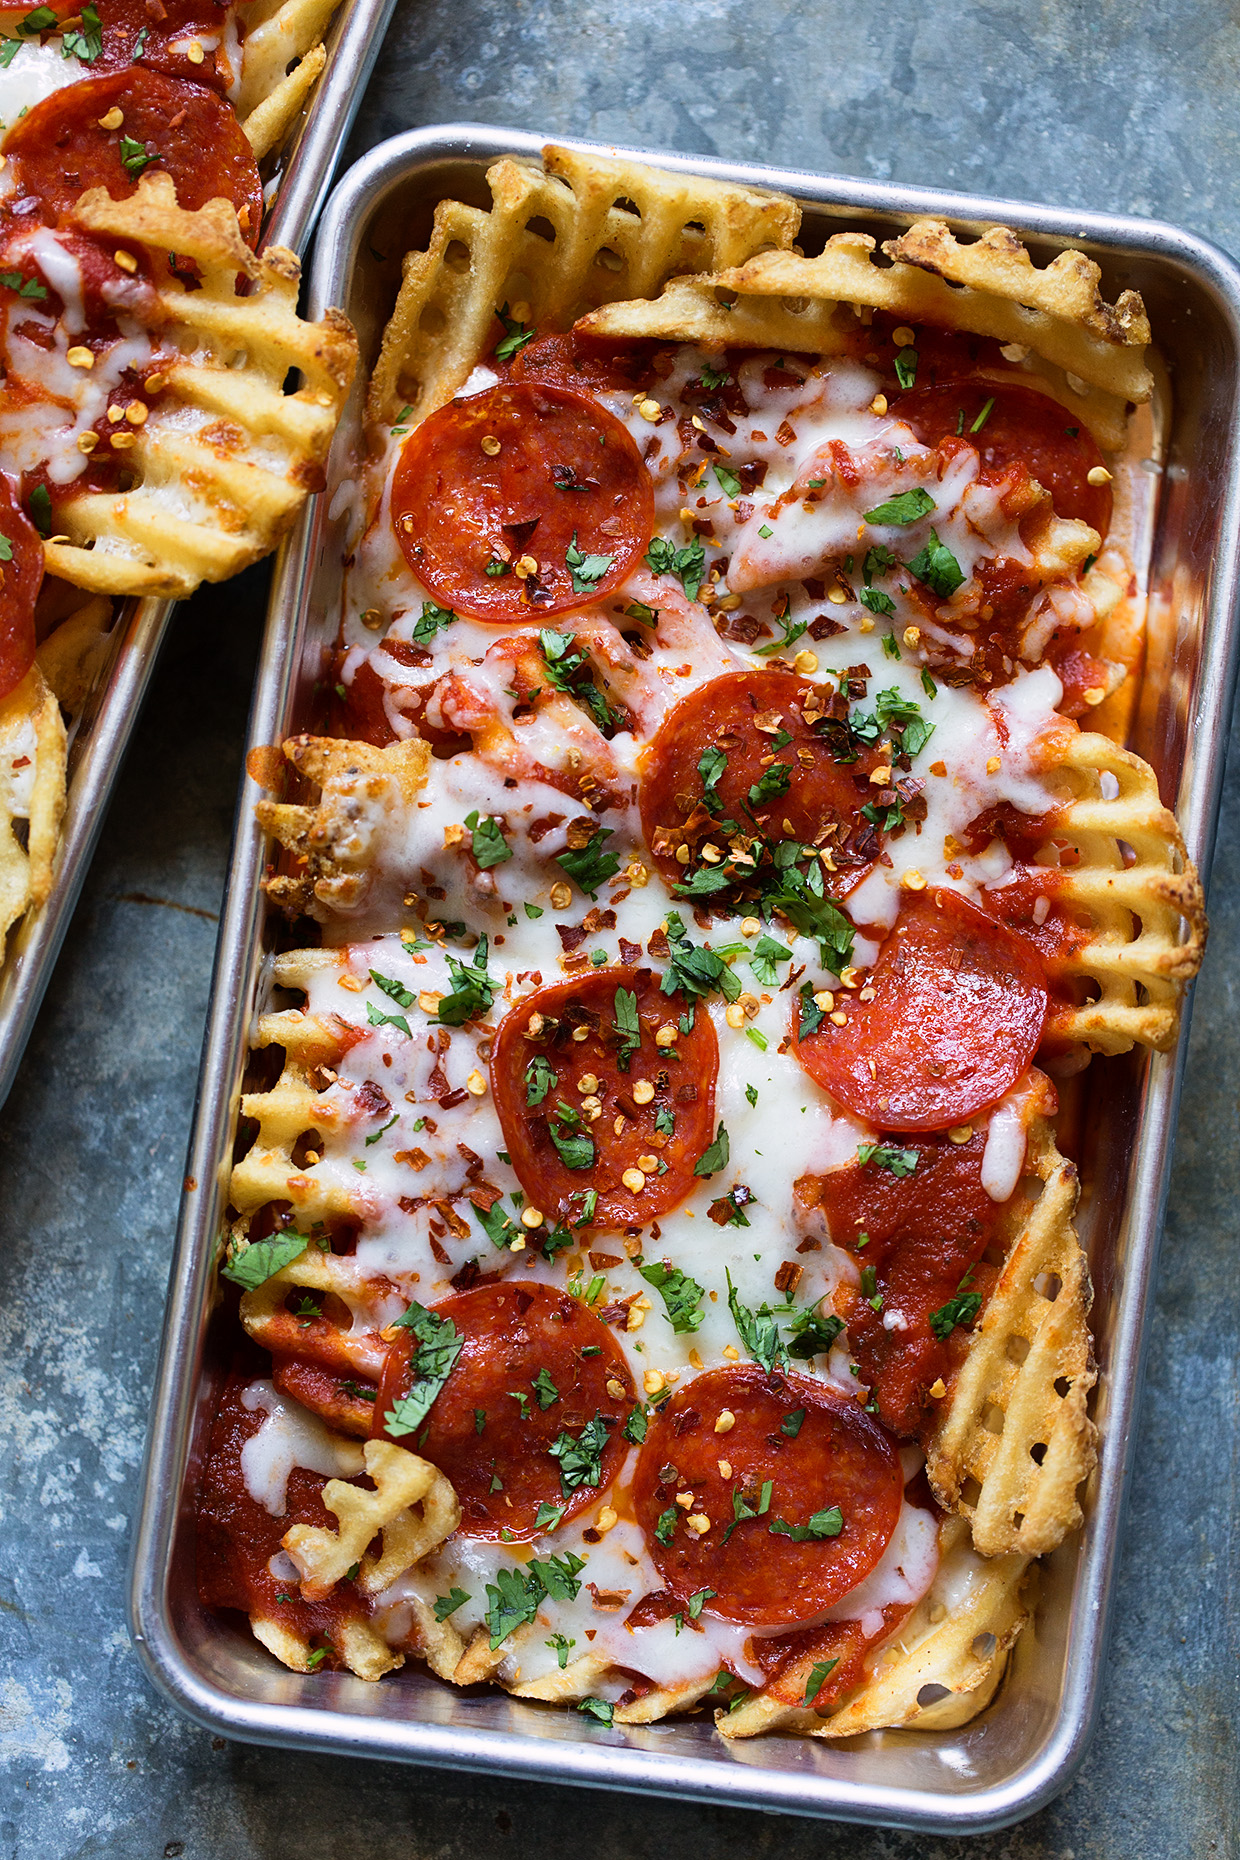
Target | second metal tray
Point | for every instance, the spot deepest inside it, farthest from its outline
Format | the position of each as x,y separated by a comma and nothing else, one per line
99,736
1026,1746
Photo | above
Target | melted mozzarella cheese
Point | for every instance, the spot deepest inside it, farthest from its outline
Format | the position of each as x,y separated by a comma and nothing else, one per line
34,72
288,1437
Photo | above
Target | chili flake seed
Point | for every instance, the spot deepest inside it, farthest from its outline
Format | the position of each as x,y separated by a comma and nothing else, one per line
836,594
881,776
698,1523
615,1389
561,897
607,1518
136,412
685,1500
725,1468
372,619
116,415
725,1421
587,1084
729,602
153,383
731,1352
637,874
532,1217
648,1163
879,404
825,1000
87,442
428,1002
1098,474
194,52
490,445
524,567
912,636
848,977
476,1084
350,982
125,260
517,1245
581,1033
734,1014
650,410
682,855
634,1180
123,441
913,880
643,1091
113,119
653,1381
960,1133
904,336
938,1388
840,1019
750,926
805,662
993,765
666,1036
79,356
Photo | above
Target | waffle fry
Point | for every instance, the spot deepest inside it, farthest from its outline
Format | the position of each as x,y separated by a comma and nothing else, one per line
282,56
559,238
333,843
401,1481
31,734
1148,913
227,456
362,1649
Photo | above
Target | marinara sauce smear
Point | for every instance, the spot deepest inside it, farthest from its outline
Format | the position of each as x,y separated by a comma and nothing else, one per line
801,1490
522,501
535,1370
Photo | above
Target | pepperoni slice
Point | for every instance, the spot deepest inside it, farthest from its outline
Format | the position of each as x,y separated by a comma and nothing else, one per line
956,1015
547,1084
1022,427
21,576
527,1342
59,148
160,33
590,364
564,470
741,715
835,1456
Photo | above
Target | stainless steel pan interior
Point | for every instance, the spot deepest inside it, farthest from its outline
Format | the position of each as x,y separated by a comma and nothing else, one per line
98,738
1025,1748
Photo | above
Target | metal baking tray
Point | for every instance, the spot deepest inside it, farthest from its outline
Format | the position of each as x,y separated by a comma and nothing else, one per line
99,736
1027,1745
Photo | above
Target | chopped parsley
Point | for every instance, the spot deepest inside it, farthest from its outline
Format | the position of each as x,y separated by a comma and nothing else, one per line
884,1156
877,601
539,1079
488,844
765,960
818,1674
573,1142
433,620
263,1259
634,1429
85,44
515,336
566,664
937,568
771,784
445,1605
688,565
751,1092
581,1458
43,19
905,508
758,1331
516,1595
695,971
792,1424
473,990
906,367
586,571
729,1210
984,415
627,1025
715,1158
962,1309
827,1523
645,616
39,504
681,1295
813,1335
597,1708
545,1389
500,1230
548,1516
439,1344
711,765
728,481
743,1509
559,1645
374,1137
793,629
590,866
665,1529
136,156
811,1016
714,377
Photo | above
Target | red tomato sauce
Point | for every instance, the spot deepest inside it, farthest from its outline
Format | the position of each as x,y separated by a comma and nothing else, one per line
21,577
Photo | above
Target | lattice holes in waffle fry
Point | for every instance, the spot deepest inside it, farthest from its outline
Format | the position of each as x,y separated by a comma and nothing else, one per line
361,1647
1148,914
332,841
226,458
1015,1439
346,1349
558,239
412,1507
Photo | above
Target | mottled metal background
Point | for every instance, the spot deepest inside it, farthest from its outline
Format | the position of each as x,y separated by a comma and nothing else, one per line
1133,107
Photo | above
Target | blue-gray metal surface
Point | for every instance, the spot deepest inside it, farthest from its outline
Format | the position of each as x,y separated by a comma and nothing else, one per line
1128,110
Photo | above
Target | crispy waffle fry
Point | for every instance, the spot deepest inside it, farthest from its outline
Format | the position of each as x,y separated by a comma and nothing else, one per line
32,790
558,240
332,843
780,299
362,1649
1015,1440
226,457
1148,912
402,1481
934,1674
342,1347
281,57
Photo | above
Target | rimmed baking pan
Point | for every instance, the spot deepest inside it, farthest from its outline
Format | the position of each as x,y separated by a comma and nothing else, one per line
1027,1744
99,736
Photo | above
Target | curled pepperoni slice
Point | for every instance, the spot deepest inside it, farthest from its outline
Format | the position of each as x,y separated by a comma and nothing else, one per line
162,34
590,364
956,1016
739,750
784,1477
521,1386
524,472
611,1112
21,576
165,126
1022,427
